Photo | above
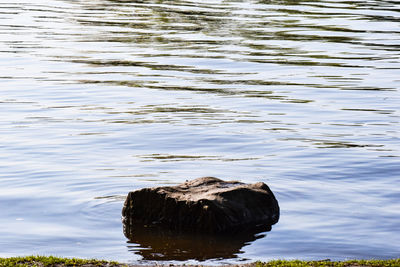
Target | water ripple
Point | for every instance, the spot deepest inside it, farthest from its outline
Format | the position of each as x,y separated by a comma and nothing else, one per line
103,97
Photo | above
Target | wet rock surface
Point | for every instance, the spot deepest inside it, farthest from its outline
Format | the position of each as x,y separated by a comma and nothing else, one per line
204,205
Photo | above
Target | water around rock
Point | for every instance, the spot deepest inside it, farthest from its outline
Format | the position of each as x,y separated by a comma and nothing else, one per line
99,98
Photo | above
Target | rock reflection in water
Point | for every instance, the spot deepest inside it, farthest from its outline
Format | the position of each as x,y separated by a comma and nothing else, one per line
156,243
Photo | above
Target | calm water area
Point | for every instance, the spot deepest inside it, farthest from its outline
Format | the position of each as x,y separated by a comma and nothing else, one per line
102,97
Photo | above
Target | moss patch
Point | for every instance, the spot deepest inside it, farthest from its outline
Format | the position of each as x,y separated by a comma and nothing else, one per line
42,261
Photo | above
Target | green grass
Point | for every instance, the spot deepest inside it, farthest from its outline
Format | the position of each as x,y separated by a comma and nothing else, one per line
43,261
53,261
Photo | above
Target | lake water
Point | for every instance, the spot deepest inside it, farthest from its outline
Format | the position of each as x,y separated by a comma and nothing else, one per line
99,98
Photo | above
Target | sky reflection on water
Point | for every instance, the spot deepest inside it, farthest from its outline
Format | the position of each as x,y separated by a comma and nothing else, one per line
103,97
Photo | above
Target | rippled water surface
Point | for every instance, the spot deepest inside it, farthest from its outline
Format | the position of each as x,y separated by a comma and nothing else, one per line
102,97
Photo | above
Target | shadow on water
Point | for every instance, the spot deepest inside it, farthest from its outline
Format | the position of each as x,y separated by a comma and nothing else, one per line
153,243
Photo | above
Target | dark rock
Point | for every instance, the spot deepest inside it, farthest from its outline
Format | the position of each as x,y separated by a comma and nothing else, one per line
203,205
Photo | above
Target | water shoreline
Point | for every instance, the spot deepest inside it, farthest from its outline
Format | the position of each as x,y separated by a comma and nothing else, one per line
57,261
101,98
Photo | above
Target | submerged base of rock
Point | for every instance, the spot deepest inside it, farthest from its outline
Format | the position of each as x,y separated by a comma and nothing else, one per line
203,205
161,244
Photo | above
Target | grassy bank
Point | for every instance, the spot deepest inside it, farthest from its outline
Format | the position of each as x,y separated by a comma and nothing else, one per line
60,262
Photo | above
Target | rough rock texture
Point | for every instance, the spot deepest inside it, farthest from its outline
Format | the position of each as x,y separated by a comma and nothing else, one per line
203,205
